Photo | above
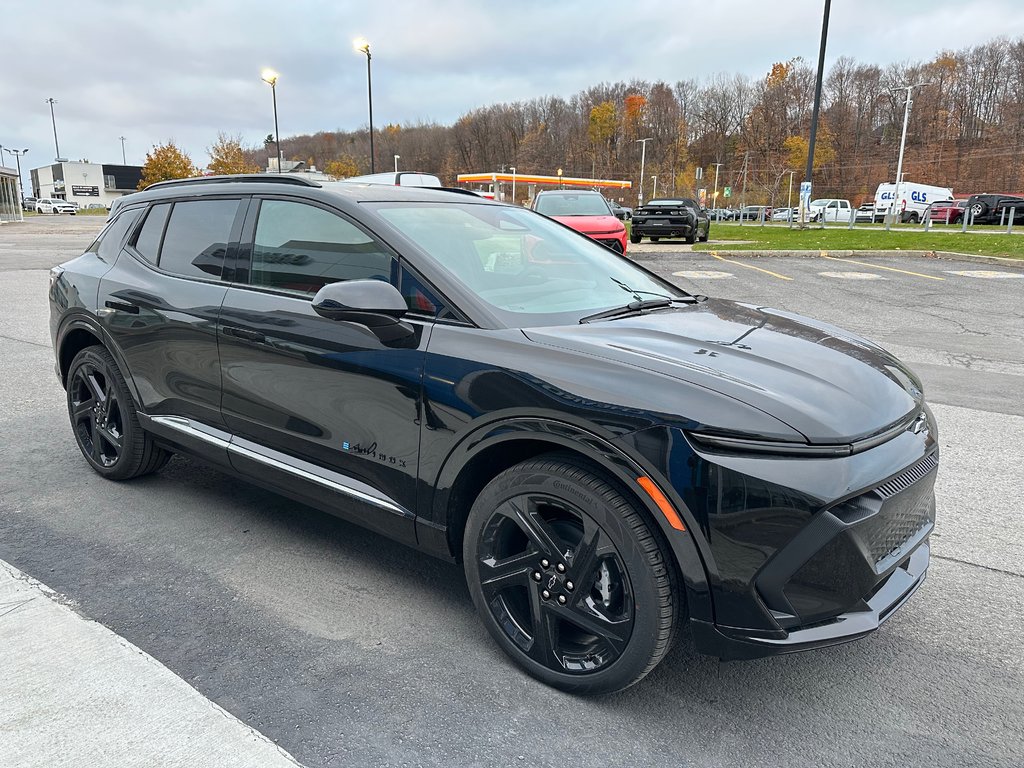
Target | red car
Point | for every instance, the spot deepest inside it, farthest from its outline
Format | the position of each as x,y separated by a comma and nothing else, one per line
947,211
586,212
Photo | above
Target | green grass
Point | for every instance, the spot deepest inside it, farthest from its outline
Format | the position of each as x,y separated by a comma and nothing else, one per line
782,238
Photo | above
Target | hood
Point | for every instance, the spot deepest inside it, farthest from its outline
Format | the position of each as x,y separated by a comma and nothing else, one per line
829,385
591,224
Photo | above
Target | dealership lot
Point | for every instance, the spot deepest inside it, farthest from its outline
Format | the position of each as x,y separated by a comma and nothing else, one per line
346,648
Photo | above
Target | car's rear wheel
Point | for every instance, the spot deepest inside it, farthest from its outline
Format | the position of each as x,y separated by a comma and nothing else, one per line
569,577
104,419
691,239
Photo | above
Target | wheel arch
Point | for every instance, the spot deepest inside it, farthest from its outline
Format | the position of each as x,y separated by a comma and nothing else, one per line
484,454
80,331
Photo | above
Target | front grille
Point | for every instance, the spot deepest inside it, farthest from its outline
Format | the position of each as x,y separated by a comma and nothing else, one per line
907,478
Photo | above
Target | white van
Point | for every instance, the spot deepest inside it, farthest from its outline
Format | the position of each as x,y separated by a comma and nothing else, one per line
914,200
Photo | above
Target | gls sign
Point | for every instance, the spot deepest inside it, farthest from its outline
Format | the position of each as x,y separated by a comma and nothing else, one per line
917,197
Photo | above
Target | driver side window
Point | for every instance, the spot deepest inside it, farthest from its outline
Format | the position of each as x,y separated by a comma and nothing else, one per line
299,247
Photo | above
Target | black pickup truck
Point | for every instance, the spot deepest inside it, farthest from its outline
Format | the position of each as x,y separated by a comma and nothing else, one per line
670,217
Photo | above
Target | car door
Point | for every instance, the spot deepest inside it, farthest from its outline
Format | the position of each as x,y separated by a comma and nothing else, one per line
319,406
159,305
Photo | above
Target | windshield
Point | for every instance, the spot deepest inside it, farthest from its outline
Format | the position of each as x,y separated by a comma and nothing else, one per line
571,204
529,269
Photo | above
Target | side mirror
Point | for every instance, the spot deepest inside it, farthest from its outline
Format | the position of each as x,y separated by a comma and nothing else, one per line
372,303
368,302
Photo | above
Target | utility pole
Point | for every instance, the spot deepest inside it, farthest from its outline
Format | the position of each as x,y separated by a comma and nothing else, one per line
643,157
789,199
814,115
743,193
891,213
123,160
51,101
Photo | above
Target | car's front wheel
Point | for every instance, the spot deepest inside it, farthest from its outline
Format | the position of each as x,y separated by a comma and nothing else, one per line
569,577
104,419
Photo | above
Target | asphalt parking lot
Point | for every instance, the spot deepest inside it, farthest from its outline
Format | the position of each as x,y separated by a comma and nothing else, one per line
348,649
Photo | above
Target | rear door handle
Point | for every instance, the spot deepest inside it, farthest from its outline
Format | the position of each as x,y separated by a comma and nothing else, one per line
244,333
122,306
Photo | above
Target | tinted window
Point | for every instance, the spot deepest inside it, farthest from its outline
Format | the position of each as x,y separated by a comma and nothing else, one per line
197,236
108,244
147,242
300,247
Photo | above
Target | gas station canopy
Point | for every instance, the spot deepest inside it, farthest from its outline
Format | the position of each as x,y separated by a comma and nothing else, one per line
528,178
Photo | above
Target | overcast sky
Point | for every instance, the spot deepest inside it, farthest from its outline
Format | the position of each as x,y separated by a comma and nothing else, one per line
184,70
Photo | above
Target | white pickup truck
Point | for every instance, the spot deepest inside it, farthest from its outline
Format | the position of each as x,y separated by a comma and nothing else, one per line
830,209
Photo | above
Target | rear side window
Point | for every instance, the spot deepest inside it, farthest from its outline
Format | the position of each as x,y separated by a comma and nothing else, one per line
197,236
108,244
299,247
147,242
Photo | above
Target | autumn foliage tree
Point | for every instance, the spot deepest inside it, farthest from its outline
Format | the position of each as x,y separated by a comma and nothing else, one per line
227,156
164,162
342,168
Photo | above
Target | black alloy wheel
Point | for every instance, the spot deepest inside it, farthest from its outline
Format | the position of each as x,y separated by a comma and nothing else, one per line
569,578
104,419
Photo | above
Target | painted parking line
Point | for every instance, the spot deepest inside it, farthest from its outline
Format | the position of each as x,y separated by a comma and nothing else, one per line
853,275
751,266
702,274
824,255
986,274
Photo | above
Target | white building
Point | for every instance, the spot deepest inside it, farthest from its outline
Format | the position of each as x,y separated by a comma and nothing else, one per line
10,199
85,183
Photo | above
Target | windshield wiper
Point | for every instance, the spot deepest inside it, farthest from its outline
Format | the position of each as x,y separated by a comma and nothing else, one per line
634,307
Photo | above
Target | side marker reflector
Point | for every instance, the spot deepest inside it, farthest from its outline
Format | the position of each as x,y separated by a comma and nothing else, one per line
663,504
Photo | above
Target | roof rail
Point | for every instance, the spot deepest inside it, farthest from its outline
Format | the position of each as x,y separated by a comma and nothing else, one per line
262,178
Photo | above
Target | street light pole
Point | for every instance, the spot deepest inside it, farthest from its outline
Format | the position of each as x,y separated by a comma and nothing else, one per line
891,213
643,157
815,110
51,101
654,194
124,161
269,77
396,162
363,46
513,169
714,201
17,159
789,199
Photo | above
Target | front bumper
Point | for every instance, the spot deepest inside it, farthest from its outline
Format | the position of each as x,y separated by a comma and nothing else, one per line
733,643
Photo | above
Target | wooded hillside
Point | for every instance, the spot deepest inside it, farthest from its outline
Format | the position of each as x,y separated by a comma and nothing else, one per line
966,130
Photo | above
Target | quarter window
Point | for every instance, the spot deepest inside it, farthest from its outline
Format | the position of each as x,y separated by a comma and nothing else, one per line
299,247
108,244
196,241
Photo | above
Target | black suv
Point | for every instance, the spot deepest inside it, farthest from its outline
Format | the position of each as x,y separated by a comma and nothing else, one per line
995,209
613,459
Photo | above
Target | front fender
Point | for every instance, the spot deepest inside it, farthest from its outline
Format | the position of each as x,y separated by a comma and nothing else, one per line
614,457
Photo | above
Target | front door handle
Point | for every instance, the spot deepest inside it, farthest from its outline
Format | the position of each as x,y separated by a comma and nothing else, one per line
122,306
244,333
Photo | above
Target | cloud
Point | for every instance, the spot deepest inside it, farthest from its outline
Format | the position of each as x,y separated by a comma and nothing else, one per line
188,69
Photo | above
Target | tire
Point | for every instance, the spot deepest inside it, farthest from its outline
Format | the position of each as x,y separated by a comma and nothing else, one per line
597,638
691,239
104,420
634,239
979,209
706,236
912,218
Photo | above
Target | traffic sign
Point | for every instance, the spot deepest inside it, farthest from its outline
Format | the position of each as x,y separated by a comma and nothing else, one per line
727,192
